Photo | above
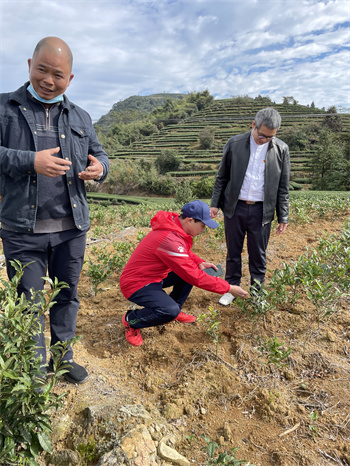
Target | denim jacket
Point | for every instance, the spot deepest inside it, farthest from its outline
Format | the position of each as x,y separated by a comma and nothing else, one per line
18,147
232,171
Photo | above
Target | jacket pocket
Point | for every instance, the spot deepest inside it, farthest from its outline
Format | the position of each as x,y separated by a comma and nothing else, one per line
80,145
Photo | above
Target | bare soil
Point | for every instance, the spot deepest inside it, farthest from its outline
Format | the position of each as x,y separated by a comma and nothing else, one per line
230,395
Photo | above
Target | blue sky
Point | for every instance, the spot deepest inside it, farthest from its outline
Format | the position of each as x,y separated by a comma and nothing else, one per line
279,48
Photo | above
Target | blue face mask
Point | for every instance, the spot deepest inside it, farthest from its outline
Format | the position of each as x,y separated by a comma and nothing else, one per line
56,99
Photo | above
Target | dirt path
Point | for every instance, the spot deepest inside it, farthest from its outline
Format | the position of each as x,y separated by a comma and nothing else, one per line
297,414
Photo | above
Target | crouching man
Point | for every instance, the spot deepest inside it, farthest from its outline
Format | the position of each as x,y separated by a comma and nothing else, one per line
164,259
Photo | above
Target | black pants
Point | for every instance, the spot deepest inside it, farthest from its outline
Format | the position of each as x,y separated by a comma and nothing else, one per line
247,220
159,307
59,255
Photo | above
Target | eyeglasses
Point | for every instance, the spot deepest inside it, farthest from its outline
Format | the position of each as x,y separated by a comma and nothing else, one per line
262,136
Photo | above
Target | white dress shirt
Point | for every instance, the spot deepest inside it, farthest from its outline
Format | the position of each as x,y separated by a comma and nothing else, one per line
253,184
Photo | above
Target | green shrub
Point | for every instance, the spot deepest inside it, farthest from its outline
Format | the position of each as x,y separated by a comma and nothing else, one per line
127,176
203,188
184,193
167,161
207,137
302,180
295,185
26,395
164,185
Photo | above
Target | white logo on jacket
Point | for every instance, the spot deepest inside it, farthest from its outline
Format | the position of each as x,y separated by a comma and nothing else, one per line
181,249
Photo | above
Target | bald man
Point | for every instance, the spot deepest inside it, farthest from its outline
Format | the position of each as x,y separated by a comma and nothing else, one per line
48,149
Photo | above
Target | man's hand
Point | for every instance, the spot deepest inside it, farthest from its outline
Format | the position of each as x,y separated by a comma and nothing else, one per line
206,265
93,171
237,291
213,212
281,228
46,164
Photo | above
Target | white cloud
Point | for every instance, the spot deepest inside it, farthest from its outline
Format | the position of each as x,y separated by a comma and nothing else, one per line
124,48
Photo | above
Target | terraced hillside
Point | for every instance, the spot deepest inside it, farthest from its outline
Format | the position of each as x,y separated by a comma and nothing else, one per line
227,118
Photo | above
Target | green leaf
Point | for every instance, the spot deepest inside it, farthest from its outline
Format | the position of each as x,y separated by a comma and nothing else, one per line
10,374
45,442
211,448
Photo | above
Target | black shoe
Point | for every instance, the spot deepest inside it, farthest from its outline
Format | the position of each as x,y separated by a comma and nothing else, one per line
75,374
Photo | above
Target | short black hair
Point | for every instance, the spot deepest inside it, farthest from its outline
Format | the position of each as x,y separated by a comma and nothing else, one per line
182,216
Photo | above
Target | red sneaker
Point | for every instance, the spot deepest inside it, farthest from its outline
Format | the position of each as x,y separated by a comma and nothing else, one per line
185,318
132,335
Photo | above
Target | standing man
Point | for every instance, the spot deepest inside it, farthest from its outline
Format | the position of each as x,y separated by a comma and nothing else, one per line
164,259
252,182
48,149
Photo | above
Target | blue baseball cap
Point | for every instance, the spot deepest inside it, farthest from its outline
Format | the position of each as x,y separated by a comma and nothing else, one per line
199,210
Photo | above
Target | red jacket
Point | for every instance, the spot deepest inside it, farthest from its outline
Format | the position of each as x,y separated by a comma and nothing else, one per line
164,249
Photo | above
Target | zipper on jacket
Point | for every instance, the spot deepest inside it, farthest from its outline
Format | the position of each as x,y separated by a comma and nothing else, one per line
47,120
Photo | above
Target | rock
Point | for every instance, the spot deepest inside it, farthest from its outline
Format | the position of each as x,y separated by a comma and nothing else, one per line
113,458
227,432
138,447
289,375
60,428
330,336
171,455
172,411
136,411
102,412
109,412
64,458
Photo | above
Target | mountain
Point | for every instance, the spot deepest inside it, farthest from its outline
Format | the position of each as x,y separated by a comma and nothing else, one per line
226,117
133,108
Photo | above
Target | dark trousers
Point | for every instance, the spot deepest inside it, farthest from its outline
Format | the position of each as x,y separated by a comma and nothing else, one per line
159,307
247,220
58,255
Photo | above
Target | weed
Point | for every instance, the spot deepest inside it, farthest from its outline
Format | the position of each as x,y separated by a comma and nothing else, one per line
272,349
88,451
189,439
312,427
105,263
211,322
215,457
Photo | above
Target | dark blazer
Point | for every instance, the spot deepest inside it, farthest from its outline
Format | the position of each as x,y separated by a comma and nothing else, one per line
231,173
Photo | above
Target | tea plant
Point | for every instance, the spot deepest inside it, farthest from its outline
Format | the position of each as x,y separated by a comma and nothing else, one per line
257,305
300,212
322,275
140,236
215,457
285,286
105,263
308,205
272,349
211,322
26,398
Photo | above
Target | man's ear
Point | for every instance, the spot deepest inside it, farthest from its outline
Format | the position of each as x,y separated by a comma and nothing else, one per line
70,79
